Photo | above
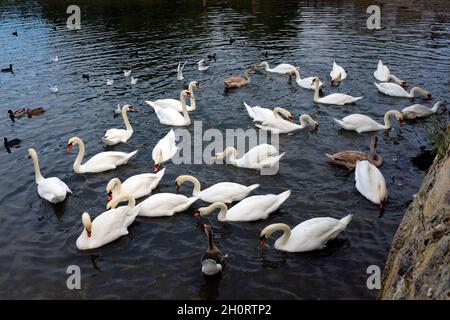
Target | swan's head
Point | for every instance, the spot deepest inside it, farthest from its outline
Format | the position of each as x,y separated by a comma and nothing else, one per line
87,223
129,108
112,184
315,80
31,152
263,64
71,142
10,112
399,117
404,84
197,84
186,93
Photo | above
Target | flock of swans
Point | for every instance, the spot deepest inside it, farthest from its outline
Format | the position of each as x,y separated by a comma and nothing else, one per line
312,234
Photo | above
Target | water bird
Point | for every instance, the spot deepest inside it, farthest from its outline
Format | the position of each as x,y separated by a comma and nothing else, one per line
334,98
164,150
337,74
85,76
170,116
11,143
109,82
117,111
180,71
176,104
126,73
53,89
421,111
362,123
16,114
280,125
134,80
395,90
115,136
54,59
202,65
283,68
10,69
310,235
51,189
306,83
383,74
14,33
164,205
265,114
212,57
212,260
238,81
369,181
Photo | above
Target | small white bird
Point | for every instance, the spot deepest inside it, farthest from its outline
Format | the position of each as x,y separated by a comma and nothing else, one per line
109,82
134,80
117,111
180,71
54,59
126,73
54,89
202,65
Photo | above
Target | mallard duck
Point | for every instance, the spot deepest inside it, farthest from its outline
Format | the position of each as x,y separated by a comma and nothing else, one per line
348,159
238,81
212,260
35,111
16,114
11,143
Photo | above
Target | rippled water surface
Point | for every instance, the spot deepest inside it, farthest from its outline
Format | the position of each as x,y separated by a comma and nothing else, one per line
160,258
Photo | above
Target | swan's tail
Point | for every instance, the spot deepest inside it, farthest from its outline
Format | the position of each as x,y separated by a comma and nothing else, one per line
329,156
377,85
171,135
250,112
152,104
357,98
131,154
346,220
282,197
339,122
253,187
160,174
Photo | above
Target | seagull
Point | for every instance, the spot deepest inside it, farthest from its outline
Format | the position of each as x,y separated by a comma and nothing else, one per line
180,71
202,66
109,82
134,80
54,59
54,89
126,73
118,111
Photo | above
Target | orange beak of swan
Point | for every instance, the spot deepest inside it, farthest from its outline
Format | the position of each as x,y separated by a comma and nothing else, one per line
69,147
110,196
262,241
155,168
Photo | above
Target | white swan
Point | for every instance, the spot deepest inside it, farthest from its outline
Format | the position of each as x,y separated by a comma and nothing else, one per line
226,192
202,65
177,104
51,189
306,82
334,98
108,226
136,186
383,74
259,157
278,126
115,136
172,117
164,150
338,73
310,235
263,114
250,209
127,73
370,182
362,123
283,68
102,161
420,111
164,204
180,71
395,90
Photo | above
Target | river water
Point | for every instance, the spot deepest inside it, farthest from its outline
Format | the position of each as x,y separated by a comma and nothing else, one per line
160,258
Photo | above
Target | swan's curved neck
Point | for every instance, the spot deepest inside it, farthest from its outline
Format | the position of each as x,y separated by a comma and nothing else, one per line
120,198
419,90
158,155
194,180
266,66
37,171
192,98
117,188
277,112
184,108
374,157
387,121
77,163
435,107
303,119
316,91
217,205
279,227
395,79
297,75
125,119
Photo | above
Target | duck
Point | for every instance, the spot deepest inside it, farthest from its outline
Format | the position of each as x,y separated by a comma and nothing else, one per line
10,69
51,189
53,89
250,209
172,117
11,143
420,111
310,235
238,81
117,111
283,68
127,73
133,80
334,98
85,76
54,59
306,83
116,136
176,104
35,111
202,65
107,226
212,57
17,113
395,90
109,82
164,204
383,74
103,161
369,181
362,123
348,158
164,150
180,71
14,33
264,114
259,157
137,186
226,192
212,260
337,74
280,126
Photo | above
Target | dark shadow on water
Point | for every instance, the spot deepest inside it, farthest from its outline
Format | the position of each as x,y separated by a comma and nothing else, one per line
209,290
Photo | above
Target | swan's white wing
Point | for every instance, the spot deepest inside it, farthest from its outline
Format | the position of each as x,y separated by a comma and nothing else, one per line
369,181
225,192
283,68
140,185
53,189
416,110
106,161
167,146
116,134
169,116
338,99
252,208
391,89
164,204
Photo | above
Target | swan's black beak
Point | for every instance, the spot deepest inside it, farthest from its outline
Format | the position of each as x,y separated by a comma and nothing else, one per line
29,157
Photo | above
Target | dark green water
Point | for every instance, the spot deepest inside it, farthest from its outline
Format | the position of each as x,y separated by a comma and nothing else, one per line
160,259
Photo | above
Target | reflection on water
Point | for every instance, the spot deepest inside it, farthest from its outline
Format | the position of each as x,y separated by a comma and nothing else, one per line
160,258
